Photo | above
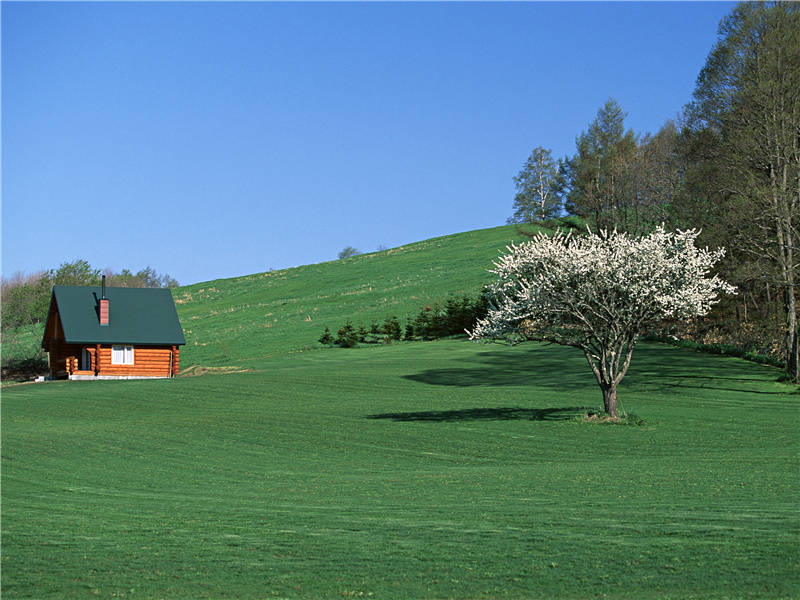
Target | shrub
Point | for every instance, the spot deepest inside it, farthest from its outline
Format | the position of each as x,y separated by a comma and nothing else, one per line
326,337
457,315
23,369
392,329
347,336
433,321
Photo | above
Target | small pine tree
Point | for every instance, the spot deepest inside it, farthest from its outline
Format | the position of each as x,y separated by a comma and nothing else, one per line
392,329
347,337
326,337
438,322
422,323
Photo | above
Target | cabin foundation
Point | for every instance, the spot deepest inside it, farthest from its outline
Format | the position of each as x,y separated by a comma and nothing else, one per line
83,377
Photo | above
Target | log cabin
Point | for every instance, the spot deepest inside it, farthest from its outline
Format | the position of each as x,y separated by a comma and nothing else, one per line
94,332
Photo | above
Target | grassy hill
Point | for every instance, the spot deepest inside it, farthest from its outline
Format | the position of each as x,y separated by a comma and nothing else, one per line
240,321
417,470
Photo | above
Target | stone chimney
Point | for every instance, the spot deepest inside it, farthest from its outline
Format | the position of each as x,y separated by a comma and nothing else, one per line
104,305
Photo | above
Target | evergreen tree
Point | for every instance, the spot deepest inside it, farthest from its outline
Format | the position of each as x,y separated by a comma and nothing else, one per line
326,338
597,173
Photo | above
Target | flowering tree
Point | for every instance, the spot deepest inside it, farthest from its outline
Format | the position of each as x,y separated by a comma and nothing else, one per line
598,292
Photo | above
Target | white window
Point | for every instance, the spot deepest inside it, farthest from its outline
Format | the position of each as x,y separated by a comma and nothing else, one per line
121,355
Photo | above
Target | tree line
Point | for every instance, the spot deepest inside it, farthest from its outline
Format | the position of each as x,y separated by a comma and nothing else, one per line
728,165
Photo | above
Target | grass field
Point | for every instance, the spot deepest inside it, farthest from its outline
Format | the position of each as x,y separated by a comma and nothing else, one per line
416,470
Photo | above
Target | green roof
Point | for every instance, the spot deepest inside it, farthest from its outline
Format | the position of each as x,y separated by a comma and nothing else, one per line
135,315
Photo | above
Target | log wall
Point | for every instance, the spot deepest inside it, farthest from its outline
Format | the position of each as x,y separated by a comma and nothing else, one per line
148,361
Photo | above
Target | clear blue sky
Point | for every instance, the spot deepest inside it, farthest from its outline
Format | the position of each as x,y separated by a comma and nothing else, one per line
210,140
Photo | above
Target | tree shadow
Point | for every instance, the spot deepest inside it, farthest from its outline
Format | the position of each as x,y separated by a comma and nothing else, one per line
655,367
683,384
537,365
488,414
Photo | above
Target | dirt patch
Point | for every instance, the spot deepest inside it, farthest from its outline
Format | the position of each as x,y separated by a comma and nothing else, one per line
604,419
197,370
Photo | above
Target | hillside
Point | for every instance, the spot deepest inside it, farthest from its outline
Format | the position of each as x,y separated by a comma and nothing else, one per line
239,321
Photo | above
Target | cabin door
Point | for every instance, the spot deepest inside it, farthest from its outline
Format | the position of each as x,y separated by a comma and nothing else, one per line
86,360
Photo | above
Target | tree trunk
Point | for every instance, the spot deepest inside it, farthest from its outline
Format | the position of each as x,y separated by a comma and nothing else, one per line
792,359
610,400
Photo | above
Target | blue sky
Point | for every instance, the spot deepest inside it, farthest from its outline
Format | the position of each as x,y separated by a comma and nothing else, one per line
211,140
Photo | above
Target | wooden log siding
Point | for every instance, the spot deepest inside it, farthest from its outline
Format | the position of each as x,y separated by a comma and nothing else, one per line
149,361
176,360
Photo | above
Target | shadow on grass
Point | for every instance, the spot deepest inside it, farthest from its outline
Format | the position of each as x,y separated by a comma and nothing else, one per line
562,368
488,414
535,365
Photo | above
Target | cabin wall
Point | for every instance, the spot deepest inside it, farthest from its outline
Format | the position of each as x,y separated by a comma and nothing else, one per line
148,361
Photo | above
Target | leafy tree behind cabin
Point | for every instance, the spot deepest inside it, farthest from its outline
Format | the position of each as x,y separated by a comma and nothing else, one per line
25,300
145,278
77,272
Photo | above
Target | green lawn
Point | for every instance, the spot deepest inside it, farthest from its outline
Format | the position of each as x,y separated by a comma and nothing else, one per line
418,470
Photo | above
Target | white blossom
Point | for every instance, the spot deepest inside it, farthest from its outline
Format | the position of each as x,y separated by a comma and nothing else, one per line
598,292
